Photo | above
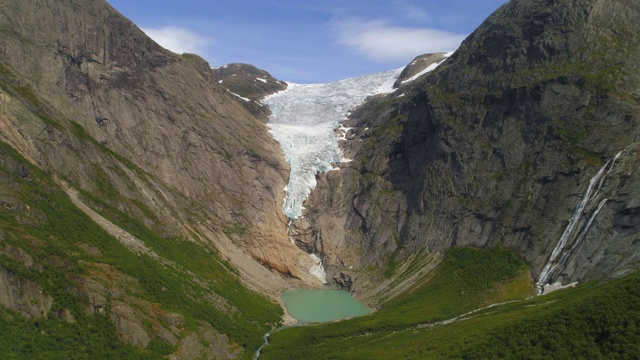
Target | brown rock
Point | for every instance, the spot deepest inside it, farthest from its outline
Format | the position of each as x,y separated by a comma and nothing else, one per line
87,84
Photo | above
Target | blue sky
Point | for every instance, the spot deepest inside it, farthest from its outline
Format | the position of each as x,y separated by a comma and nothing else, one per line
309,41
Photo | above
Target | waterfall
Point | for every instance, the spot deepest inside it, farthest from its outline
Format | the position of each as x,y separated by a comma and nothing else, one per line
567,254
566,244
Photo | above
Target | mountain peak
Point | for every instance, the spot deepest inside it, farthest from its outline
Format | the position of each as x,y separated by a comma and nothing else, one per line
249,84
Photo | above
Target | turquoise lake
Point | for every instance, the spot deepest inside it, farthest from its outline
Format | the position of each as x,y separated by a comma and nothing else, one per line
316,305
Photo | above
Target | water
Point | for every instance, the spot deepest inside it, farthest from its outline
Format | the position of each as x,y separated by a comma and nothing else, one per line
314,305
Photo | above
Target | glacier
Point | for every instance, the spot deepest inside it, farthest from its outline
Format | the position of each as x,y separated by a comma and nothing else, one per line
303,120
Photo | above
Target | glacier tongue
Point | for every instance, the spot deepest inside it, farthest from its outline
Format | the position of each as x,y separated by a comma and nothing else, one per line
303,121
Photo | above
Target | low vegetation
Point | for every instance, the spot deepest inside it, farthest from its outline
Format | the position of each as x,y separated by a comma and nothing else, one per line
38,218
596,320
90,337
466,279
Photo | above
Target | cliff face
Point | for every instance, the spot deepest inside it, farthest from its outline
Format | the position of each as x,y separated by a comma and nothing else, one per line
147,141
89,82
498,145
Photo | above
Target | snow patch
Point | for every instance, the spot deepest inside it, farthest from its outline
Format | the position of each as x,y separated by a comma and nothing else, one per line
241,97
428,69
387,86
263,80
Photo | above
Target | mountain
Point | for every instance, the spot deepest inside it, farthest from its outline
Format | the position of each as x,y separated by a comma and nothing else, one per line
142,194
418,67
139,197
523,142
251,85
498,145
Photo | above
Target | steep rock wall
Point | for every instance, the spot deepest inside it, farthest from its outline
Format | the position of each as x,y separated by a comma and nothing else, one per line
90,97
495,146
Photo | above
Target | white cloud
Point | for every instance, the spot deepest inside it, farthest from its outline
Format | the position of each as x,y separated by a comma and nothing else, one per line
179,40
377,40
414,12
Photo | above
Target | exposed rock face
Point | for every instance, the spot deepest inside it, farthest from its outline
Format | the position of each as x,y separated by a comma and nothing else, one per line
81,79
497,145
418,64
134,129
605,238
206,343
23,296
251,85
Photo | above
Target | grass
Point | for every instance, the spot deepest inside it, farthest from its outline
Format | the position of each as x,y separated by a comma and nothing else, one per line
466,279
243,316
592,321
53,230
598,320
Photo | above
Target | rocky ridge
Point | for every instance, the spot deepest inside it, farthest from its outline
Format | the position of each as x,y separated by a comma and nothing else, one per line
497,145
250,85
418,65
138,133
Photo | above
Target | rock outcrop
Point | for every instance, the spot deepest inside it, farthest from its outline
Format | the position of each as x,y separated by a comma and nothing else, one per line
88,96
497,145
418,65
23,296
148,140
250,85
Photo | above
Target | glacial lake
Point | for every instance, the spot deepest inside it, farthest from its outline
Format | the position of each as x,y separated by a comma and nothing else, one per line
317,305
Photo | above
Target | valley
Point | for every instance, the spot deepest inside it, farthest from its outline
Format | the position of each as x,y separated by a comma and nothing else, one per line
152,207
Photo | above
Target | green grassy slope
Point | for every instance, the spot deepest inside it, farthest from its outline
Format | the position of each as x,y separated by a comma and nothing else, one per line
466,279
597,320
39,219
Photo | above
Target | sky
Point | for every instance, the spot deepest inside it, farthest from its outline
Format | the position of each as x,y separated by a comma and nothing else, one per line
306,41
